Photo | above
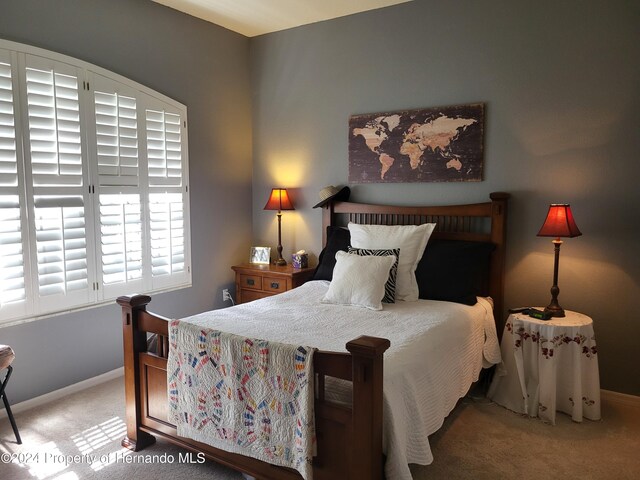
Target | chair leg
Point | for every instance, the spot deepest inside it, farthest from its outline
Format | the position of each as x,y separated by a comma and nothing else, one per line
5,400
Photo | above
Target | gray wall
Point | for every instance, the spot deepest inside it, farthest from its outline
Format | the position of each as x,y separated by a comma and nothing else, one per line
560,85
560,81
199,64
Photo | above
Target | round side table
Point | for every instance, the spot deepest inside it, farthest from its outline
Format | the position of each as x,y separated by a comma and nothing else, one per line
548,366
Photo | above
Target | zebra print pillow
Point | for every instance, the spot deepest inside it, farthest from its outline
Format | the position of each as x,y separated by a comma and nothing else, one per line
390,286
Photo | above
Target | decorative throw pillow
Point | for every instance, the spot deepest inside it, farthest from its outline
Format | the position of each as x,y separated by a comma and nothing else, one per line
338,239
390,286
359,281
410,239
454,271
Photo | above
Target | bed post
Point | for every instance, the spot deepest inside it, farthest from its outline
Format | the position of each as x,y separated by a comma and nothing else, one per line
367,371
135,341
327,219
499,238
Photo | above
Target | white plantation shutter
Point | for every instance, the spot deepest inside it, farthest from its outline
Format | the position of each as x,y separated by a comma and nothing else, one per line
56,175
8,158
168,226
119,199
121,244
61,251
166,213
116,137
164,148
93,186
12,285
54,125
12,268
12,265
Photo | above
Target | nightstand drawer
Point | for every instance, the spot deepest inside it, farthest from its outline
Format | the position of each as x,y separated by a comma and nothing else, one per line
276,285
251,281
249,296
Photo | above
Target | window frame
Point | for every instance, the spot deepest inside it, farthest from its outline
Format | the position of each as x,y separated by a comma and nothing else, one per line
89,76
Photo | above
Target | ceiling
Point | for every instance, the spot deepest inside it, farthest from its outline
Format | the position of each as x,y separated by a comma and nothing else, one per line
256,17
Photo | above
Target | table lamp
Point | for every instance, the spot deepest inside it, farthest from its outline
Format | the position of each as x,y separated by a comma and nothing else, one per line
279,200
559,223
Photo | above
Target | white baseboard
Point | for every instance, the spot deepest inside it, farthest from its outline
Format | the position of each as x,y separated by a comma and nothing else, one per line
620,398
63,392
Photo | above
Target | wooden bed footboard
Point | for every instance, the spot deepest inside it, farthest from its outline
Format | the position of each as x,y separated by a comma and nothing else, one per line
349,438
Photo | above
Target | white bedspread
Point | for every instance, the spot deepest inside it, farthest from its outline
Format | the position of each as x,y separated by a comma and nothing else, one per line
437,351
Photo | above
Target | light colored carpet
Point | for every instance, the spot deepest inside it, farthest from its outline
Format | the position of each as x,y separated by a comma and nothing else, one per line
479,440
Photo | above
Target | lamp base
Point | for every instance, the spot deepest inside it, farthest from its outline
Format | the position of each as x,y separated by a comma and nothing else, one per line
281,262
554,310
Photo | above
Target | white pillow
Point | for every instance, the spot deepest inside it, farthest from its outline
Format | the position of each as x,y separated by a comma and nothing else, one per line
410,239
358,280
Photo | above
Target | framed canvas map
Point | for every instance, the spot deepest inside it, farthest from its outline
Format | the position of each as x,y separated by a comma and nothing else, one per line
442,144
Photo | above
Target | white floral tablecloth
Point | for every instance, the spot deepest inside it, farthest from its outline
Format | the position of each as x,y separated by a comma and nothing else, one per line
548,366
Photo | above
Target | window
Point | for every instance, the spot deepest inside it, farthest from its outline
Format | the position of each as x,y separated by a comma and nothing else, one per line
93,186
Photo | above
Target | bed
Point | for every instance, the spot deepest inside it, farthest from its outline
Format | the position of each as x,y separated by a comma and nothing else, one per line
349,421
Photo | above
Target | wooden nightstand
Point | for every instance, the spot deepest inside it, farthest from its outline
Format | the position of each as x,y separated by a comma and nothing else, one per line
259,281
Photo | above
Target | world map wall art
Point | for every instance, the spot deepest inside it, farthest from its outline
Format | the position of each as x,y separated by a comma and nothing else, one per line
442,144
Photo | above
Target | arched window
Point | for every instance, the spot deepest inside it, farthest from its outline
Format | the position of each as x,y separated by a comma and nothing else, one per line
94,199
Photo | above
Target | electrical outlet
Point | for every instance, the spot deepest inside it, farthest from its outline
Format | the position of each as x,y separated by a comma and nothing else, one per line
225,294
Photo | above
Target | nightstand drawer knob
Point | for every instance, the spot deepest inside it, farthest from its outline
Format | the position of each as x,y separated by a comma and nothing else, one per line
275,285
253,282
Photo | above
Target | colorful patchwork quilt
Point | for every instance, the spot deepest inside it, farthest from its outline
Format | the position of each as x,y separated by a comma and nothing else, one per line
242,395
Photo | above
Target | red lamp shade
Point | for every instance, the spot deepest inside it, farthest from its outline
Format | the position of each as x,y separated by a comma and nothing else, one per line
279,200
559,222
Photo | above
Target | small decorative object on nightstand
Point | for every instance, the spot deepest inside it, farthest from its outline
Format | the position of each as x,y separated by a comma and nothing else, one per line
559,223
259,281
260,255
279,200
300,259
548,366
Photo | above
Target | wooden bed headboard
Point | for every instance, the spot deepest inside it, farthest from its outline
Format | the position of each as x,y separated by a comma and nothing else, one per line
477,222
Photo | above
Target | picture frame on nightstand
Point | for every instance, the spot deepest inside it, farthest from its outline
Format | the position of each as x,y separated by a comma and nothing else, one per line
260,255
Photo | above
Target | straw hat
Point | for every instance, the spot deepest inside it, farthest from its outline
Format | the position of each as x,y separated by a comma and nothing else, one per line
330,193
